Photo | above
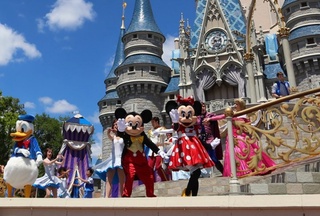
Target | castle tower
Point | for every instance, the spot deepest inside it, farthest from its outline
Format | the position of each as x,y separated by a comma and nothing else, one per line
303,20
143,76
215,61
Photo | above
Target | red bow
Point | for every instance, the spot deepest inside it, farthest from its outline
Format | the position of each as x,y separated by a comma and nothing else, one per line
24,143
185,101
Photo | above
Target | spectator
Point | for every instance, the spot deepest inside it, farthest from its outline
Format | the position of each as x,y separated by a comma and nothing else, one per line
281,87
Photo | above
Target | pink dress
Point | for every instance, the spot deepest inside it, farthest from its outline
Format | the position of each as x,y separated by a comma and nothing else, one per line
243,152
188,152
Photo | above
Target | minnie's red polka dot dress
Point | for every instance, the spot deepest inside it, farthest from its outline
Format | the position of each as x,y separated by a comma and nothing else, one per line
188,151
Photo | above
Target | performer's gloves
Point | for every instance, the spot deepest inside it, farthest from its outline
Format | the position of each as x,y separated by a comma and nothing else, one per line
174,115
155,133
215,143
39,160
163,154
25,152
121,125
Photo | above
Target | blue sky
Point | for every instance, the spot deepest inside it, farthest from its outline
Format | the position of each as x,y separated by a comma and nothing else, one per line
55,54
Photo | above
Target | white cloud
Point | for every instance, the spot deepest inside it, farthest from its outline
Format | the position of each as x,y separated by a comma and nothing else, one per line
40,25
94,119
168,47
29,105
11,42
46,100
61,107
69,14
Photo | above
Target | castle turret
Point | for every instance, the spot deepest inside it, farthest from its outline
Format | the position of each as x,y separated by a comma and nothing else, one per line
303,20
143,76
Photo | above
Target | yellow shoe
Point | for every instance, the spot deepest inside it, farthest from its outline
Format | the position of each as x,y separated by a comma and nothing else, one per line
183,194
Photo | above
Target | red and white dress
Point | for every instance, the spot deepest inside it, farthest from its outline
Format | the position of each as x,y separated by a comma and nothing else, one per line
188,152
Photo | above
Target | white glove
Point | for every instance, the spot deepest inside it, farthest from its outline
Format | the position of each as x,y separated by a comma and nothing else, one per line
174,115
155,133
39,160
25,152
121,125
215,143
163,154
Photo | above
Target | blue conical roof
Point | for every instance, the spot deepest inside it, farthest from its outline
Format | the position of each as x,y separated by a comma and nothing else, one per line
119,55
143,19
286,2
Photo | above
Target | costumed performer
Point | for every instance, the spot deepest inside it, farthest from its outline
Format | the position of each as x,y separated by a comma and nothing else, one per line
21,170
63,174
107,169
88,183
208,133
155,160
49,182
188,153
244,152
134,160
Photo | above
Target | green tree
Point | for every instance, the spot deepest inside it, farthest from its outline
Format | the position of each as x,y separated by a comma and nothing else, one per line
10,109
48,132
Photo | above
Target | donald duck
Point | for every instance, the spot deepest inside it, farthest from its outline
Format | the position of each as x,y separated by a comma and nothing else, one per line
21,170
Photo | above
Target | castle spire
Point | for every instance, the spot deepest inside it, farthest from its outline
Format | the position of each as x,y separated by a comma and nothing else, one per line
119,55
124,5
143,19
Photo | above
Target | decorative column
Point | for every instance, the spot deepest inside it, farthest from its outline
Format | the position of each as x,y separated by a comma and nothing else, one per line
233,183
284,34
248,58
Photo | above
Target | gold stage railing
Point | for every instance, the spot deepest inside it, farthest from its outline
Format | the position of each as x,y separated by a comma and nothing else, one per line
287,130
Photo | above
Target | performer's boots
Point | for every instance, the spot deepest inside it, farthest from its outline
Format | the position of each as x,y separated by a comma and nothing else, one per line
183,194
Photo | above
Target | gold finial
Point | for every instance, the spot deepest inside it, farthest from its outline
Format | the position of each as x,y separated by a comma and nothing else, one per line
124,5
228,112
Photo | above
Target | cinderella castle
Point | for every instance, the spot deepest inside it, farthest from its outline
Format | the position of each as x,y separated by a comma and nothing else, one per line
234,48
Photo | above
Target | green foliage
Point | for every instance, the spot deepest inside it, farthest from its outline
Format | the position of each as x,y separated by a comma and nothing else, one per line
10,109
48,132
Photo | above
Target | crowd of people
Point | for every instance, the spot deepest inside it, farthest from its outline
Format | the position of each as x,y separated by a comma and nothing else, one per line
169,141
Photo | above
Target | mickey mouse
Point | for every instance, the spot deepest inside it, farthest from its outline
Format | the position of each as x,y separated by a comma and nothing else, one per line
134,161
188,152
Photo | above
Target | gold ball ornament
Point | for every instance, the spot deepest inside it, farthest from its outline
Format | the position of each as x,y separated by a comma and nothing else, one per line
228,112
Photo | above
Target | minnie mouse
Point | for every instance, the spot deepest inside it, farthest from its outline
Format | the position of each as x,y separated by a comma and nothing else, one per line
188,152
134,161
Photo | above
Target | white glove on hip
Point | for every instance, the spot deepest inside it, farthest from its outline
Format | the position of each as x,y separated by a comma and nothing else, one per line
25,152
215,143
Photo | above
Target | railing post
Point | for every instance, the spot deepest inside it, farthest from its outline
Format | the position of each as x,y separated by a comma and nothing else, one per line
233,182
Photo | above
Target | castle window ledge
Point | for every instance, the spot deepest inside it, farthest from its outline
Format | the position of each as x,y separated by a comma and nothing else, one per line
304,7
131,72
311,45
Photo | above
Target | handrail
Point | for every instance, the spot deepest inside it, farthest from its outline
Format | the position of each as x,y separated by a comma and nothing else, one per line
276,101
